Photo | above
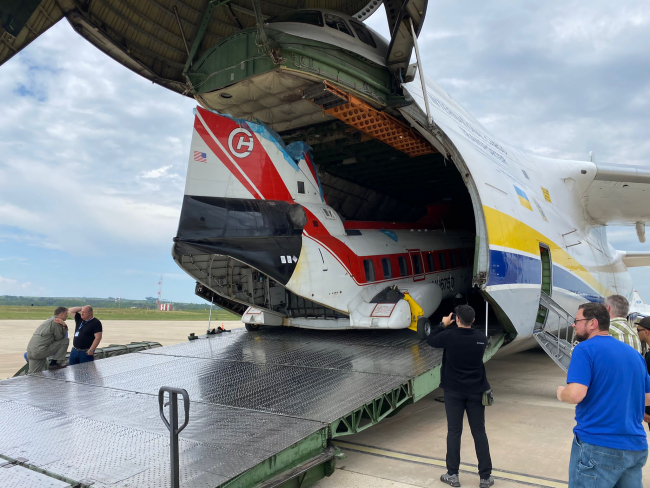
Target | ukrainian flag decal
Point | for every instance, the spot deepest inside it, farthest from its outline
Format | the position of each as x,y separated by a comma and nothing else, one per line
523,199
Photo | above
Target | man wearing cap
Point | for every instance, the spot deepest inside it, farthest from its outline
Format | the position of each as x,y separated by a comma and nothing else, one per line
643,329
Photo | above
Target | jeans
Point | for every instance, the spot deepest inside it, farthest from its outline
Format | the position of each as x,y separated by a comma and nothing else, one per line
456,404
78,357
604,467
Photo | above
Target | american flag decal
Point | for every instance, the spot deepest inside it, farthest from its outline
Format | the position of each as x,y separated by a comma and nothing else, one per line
200,157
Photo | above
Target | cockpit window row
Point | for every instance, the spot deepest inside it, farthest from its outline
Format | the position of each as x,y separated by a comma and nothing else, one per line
314,17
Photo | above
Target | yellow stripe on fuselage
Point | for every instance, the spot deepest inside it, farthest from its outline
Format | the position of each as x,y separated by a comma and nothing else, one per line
506,231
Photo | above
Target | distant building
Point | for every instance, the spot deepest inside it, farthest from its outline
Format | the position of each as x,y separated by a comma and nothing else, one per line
165,307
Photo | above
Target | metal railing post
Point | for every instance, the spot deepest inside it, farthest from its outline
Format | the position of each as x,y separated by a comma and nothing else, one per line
172,425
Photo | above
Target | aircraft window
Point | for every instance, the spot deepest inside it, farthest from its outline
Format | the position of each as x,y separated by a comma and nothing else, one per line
452,255
463,258
301,187
385,264
311,17
336,22
417,264
403,270
369,268
432,266
363,33
441,257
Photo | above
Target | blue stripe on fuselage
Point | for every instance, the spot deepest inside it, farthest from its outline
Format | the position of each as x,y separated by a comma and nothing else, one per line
507,268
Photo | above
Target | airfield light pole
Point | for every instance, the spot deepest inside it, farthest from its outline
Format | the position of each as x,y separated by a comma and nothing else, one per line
210,316
424,87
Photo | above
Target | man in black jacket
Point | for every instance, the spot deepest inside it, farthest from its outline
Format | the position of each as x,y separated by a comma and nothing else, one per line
464,381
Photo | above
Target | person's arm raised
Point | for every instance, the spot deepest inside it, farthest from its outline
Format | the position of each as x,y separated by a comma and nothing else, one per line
73,311
435,339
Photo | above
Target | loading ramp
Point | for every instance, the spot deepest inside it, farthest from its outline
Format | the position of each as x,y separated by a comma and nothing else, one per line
264,407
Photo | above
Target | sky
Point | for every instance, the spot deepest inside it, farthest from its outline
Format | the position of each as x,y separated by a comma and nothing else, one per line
93,157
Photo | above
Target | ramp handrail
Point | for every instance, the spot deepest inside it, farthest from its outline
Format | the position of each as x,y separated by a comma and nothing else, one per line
172,425
557,347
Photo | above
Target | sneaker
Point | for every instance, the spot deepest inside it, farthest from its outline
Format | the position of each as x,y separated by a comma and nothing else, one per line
56,366
450,479
486,483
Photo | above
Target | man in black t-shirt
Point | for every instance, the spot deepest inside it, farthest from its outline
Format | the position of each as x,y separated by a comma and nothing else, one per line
464,380
643,329
87,335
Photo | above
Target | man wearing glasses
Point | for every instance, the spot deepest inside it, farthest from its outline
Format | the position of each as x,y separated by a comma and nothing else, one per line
609,384
643,329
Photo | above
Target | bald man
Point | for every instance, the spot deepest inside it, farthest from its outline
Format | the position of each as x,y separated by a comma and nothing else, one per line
87,335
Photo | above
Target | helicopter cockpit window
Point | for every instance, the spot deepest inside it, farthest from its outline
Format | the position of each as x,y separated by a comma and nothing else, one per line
363,33
336,22
311,17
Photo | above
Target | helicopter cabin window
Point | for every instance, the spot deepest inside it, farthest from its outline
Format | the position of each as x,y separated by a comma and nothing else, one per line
441,257
430,263
363,33
463,257
336,22
311,17
369,268
386,268
417,265
301,187
403,270
452,255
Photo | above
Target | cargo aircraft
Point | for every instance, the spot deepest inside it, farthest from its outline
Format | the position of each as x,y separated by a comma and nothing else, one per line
332,185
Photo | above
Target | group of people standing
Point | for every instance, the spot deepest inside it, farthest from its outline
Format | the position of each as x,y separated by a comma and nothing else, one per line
51,339
608,381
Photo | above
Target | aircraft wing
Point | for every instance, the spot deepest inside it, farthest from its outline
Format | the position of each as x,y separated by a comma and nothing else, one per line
145,35
619,194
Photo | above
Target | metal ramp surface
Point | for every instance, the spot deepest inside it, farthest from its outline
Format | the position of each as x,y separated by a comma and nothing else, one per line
261,404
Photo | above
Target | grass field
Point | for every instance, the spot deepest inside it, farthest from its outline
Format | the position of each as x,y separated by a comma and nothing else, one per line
41,313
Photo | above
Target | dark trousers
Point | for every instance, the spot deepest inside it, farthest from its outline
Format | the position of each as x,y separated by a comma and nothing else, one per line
456,404
78,357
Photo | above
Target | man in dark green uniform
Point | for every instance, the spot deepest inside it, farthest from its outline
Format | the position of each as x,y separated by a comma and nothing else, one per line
49,340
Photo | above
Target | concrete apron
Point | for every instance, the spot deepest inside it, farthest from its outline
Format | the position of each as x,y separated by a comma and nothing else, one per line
530,435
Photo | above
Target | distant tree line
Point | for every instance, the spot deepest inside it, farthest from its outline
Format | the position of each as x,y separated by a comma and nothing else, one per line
110,302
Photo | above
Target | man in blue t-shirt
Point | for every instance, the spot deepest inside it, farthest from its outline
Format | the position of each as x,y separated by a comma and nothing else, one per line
609,384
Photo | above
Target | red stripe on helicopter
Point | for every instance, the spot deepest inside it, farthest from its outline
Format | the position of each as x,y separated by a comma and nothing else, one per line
246,155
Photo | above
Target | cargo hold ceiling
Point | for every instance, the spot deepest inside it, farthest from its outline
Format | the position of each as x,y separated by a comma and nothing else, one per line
145,35
401,187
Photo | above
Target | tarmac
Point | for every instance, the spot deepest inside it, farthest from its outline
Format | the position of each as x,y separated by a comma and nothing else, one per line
16,334
529,431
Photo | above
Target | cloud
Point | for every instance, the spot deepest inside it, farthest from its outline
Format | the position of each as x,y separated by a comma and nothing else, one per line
156,173
93,157
10,286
